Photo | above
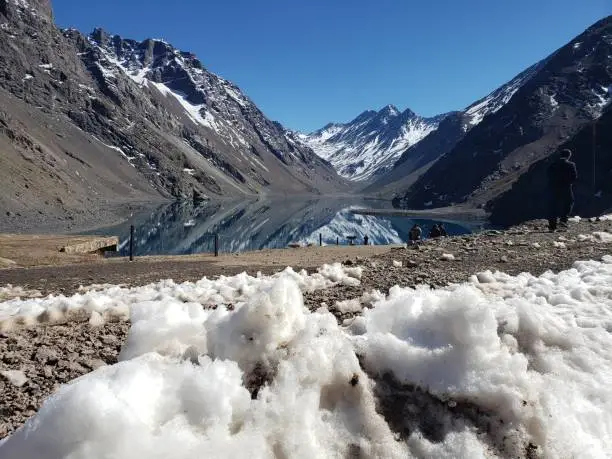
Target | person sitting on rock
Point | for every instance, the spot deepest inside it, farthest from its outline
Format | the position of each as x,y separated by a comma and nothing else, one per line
415,234
561,177
435,232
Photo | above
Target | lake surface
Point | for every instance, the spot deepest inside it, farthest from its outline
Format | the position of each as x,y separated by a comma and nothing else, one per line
245,225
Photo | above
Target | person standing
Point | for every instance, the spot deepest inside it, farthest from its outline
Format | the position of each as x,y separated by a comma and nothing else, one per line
561,176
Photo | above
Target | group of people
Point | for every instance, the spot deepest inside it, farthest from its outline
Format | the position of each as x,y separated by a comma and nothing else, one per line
416,232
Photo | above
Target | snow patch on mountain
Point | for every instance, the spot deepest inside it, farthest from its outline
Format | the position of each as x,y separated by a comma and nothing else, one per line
500,97
208,100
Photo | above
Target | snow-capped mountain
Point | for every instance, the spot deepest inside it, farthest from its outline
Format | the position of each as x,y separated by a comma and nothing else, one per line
128,120
418,156
516,129
228,120
369,145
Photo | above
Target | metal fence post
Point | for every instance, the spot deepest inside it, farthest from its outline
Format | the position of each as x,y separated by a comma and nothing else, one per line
320,239
216,244
131,242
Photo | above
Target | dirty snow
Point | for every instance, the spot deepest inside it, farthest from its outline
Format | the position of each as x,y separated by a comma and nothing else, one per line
115,302
597,236
498,363
15,377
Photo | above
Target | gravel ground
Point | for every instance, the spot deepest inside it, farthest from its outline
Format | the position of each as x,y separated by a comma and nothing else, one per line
34,361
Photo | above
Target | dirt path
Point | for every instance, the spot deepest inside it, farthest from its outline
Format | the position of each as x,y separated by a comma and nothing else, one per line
66,278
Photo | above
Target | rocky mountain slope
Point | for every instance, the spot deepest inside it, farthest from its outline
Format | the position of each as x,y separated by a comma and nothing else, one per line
555,100
592,148
385,149
369,145
419,157
90,123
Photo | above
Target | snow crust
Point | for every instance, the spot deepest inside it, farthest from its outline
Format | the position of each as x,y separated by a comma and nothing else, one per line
597,236
496,363
114,303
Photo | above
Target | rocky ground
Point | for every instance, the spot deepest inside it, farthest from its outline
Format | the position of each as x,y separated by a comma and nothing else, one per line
34,361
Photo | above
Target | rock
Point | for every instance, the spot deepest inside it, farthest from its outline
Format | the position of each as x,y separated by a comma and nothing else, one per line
46,355
447,257
397,264
4,262
109,339
15,377
504,259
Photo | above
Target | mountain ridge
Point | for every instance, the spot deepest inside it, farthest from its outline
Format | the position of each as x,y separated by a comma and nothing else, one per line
568,89
174,129
368,145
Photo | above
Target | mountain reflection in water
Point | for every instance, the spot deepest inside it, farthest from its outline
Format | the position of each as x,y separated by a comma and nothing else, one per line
245,225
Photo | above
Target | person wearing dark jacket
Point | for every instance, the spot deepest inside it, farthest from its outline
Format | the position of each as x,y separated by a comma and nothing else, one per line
415,234
435,232
561,176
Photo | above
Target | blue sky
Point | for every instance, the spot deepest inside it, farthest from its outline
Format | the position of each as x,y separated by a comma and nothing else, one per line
306,63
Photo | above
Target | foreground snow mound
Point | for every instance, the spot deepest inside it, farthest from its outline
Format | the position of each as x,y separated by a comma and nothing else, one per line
114,303
501,366
190,399
530,355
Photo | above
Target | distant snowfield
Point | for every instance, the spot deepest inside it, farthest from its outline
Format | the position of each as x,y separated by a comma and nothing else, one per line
493,364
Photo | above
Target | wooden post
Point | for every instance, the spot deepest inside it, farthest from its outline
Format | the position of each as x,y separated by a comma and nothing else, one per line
131,242
337,241
320,239
216,244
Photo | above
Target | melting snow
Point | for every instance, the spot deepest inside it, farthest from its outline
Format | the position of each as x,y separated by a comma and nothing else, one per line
597,236
494,364
117,301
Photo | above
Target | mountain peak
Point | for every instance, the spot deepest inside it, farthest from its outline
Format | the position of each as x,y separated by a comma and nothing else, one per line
390,110
408,114
371,143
